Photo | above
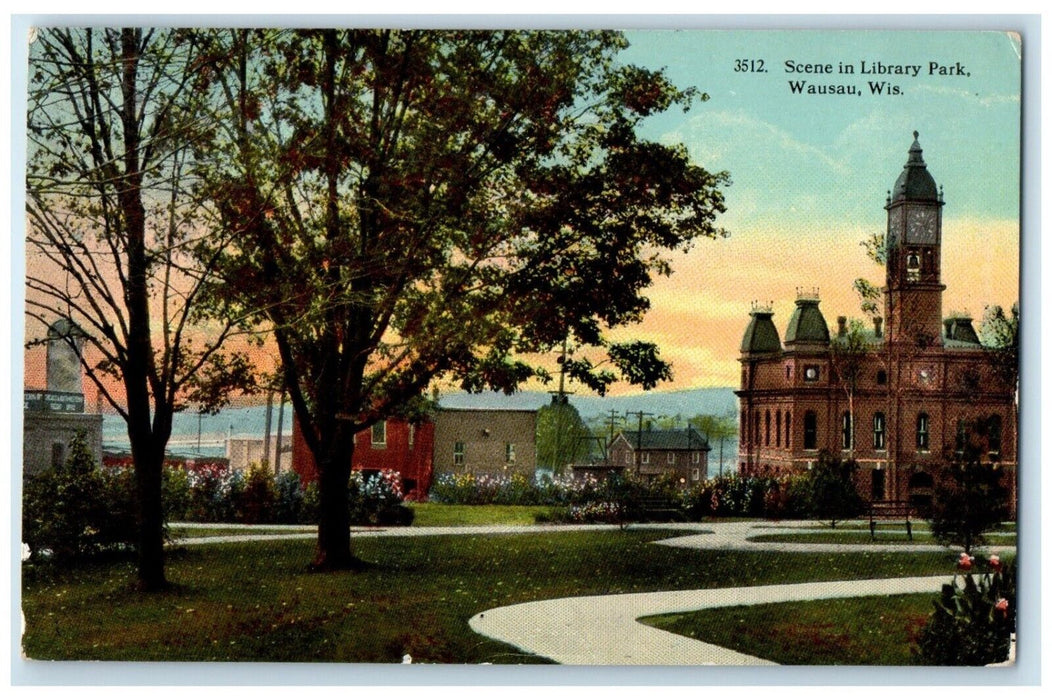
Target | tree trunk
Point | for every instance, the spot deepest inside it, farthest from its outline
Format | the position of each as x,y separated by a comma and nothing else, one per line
334,523
149,462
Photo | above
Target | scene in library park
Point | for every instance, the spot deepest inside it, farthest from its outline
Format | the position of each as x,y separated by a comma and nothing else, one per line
641,348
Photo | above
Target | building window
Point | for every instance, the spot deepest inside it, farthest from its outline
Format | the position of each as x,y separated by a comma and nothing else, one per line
882,377
788,431
778,429
509,452
811,373
58,455
745,426
458,454
810,431
922,432
644,458
695,458
879,437
846,432
756,429
695,475
788,371
379,434
993,437
767,428
671,457
628,458
961,440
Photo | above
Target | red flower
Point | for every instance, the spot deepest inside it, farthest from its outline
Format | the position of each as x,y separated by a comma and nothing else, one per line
1001,605
965,562
995,562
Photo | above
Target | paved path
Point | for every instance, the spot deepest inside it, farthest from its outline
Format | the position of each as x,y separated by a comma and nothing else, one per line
605,630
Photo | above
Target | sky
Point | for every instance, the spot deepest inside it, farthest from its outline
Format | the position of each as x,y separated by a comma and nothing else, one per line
810,174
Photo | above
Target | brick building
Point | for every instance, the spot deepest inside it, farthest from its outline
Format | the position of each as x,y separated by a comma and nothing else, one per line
922,383
684,454
492,441
393,444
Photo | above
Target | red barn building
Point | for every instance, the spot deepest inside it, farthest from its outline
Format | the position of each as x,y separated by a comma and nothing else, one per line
394,445
895,396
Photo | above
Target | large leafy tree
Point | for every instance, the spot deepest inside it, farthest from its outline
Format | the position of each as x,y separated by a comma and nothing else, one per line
416,204
563,438
112,243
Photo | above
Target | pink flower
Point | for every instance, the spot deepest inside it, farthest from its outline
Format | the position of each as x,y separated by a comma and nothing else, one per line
965,562
1001,605
995,562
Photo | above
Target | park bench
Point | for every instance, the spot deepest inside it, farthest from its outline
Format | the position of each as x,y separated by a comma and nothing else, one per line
890,510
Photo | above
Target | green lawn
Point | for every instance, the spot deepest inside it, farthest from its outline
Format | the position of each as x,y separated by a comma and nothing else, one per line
256,601
871,631
437,514
859,537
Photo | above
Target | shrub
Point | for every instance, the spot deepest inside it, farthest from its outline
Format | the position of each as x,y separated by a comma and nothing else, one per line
175,492
830,489
258,496
376,499
969,499
973,621
289,505
75,511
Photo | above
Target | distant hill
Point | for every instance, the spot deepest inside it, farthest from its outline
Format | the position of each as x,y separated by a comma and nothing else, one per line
250,420
686,403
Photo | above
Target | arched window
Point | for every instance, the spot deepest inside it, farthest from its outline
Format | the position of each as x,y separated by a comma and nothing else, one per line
882,377
767,428
993,439
810,431
845,430
879,428
788,430
922,431
778,429
756,429
744,428
961,440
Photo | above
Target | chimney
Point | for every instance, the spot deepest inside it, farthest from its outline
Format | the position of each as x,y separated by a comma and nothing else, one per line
841,326
878,326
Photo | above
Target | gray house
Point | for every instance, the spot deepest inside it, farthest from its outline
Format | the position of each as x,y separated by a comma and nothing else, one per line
683,453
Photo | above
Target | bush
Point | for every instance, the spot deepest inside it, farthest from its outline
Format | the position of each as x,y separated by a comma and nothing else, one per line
376,499
75,511
830,489
289,496
973,621
969,500
258,496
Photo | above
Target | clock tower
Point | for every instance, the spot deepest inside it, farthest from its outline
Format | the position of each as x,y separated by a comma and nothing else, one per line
913,294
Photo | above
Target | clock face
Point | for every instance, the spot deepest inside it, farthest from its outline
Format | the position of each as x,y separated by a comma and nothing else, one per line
921,226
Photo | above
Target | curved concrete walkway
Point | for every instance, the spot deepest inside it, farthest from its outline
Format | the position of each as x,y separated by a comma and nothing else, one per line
604,630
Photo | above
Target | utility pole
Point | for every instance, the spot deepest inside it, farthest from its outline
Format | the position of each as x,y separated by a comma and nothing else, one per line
559,400
639,435
612,420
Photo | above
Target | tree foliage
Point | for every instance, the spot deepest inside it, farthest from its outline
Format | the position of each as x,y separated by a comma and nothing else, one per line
830,489
562,436
114,242
970,497
409,205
